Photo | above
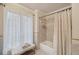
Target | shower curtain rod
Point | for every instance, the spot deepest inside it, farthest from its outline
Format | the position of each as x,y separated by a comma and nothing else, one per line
57,11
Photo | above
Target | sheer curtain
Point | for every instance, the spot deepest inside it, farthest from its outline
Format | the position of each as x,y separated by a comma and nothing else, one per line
62,32
11,31
7,33
30,29
27,29
24,31
18,30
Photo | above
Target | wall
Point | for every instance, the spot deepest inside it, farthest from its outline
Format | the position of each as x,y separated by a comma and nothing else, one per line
43,29
75,20
46,28
1,20
1,28
50,28
47,32
42,23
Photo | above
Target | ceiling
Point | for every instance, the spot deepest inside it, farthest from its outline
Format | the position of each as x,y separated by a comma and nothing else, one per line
45,7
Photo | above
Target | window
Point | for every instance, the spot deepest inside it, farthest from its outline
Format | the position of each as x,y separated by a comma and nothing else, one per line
18,30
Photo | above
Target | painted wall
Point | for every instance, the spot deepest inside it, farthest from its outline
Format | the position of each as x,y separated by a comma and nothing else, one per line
50,28
46,28
1,29
1,20
43,30
75,20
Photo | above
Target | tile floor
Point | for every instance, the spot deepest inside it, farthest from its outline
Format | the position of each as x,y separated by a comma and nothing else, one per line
45,50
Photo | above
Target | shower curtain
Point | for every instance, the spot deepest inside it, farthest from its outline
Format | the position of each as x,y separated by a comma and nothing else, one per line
62,32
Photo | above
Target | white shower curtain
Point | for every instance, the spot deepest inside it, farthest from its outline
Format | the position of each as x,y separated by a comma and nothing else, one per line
62,32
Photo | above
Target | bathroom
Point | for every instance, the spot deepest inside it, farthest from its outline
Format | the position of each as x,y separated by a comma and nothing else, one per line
39,29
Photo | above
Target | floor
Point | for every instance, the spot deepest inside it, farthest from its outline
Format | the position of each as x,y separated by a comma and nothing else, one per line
45,49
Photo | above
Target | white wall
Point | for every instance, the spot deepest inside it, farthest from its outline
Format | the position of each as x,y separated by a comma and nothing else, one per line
50,28
43,29
75,20
1,28
1,20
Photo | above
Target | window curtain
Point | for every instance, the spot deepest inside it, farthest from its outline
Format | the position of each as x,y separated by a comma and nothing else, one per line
7,33
23,29
30,29
11,31
18,30
26,29
62,32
